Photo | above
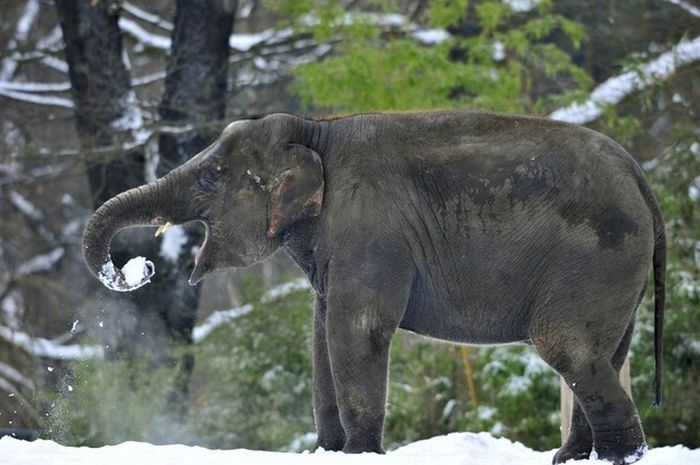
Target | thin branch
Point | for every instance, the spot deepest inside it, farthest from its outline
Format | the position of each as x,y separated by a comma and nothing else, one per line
40,347
35,217
690,9
40,263
9,66
221,317
37,99
616,88
15,376
144,15
36,87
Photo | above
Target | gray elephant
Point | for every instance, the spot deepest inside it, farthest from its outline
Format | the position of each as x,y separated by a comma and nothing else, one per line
468,227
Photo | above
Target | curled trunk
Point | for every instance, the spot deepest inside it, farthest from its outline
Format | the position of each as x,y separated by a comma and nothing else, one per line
148,205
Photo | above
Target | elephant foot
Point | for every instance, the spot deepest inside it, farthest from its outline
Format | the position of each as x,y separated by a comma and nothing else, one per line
330,444
619,447
578,445
360,446
572,452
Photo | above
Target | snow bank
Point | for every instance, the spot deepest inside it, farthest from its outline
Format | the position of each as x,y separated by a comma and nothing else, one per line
453,449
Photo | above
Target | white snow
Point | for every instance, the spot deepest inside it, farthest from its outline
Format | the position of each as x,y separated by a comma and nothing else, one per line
12,306
39,347
244,42
522,6
55,63
430,36
36,86
37,99
25,206
216,319
42,262
174,238
147,79
498,51
143,36
13,375
694,189
146,16
220,317
24,24
613,90
286,288
691,9
452,449
135,271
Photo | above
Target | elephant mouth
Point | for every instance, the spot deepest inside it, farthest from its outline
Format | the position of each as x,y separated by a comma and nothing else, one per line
200,267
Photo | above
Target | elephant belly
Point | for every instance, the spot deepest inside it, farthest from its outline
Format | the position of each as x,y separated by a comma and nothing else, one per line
500,321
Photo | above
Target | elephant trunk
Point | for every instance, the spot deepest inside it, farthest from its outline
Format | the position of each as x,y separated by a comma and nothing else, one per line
151,204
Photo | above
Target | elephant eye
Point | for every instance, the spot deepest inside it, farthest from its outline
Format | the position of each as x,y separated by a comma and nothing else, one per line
208,179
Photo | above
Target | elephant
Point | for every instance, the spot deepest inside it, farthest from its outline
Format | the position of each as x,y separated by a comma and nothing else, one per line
468,227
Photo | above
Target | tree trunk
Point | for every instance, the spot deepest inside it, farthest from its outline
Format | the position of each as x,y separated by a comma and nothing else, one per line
101,92
195,94
150,321
195,85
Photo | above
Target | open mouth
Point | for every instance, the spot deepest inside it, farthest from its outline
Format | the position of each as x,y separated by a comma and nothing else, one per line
200,250
200,268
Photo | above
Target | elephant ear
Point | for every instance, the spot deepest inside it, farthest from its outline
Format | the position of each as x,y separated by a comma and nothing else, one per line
297,192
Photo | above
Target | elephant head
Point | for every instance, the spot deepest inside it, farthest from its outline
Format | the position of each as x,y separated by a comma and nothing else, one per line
255,181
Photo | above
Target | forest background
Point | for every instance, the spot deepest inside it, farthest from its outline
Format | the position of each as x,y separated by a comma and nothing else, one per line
99,96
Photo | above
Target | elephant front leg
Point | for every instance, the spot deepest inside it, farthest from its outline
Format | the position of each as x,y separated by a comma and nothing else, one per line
330,431
359,337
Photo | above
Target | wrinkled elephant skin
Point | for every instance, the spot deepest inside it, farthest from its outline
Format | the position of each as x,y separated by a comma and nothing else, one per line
467,227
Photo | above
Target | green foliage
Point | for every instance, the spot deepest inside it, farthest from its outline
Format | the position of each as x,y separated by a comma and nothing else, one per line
678,421
444,13
494,69
108,403
253,376
517,395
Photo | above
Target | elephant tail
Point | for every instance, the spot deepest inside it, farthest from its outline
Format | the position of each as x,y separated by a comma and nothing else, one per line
659,266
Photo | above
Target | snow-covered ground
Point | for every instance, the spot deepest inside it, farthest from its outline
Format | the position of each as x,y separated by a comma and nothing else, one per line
453,449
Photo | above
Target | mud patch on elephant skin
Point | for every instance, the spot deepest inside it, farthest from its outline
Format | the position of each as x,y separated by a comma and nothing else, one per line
611,224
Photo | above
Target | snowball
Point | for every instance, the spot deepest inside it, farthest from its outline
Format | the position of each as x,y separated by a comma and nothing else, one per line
133,275
136,271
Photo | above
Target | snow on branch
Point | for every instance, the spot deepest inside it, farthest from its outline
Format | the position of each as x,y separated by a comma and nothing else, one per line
522,6
39,263
24,24
37,99
147,79
143,36
15,376
146,16
25,206
216,319
36,87
691,9
220,317
616,88
35,215
40,347
277,292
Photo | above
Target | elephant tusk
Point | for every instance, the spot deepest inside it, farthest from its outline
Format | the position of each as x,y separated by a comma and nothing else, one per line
163,228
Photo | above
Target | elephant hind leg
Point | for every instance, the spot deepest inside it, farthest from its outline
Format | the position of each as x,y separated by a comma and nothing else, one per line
579,442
